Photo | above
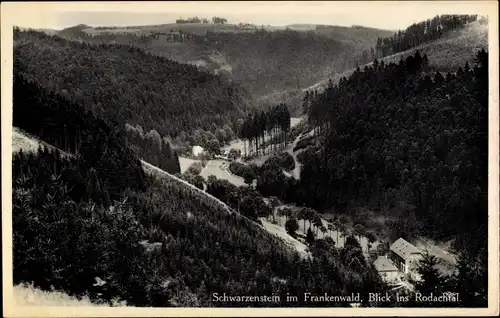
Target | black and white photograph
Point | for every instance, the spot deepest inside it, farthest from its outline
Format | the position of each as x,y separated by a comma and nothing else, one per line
331,156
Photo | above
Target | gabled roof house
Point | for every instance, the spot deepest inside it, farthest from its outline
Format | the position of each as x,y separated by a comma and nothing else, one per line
405,255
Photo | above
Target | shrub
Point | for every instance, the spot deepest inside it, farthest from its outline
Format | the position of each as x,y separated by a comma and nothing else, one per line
234,154
195,168
309,236
248,172
292,226
283,160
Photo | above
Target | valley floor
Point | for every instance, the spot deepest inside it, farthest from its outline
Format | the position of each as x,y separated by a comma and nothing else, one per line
219,168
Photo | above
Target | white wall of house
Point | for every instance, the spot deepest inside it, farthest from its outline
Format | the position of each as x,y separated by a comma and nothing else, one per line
397,260
390,276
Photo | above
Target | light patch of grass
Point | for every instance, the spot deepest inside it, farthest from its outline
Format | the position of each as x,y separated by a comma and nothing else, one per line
21,140
220,169
185,163
27,295
289,240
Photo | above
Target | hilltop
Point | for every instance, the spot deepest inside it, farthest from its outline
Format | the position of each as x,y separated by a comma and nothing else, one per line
446,54
262,59
136,85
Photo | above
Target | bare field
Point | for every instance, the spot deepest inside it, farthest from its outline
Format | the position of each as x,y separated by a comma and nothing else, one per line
196,28
220,169
281,233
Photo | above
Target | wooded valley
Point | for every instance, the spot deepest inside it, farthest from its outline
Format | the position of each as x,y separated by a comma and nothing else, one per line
391,150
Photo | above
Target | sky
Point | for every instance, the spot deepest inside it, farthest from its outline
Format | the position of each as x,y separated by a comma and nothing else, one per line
390,15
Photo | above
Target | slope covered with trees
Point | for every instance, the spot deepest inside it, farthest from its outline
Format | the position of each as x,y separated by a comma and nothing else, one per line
411,144
104,164
414,36
162,246
260,60
259,128
421,33
124,85
447,50
390,124
92,223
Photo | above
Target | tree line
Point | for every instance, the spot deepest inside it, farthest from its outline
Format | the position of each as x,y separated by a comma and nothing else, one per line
257,128
415,35
214,20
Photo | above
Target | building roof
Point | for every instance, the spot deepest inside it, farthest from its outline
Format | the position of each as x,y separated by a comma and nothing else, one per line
383,264
403,248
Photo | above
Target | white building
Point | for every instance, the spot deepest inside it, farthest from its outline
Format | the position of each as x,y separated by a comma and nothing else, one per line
386,269
406,257
197,150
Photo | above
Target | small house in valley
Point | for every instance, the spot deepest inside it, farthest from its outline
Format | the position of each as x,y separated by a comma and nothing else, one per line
197,151
386,268
406,257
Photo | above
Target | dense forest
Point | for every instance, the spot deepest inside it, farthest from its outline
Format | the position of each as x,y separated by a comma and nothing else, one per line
408,144
275,60
265,61
421,33
417,140
436,140
398,141
88,221
124,85
164,245
262,61
415,35
102,151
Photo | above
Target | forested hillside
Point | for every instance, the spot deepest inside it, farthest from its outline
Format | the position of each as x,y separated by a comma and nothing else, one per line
104,160
403,152
124,85
163,246
414,36
447,49
421,33
260,59
396,148
409,144
92,223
